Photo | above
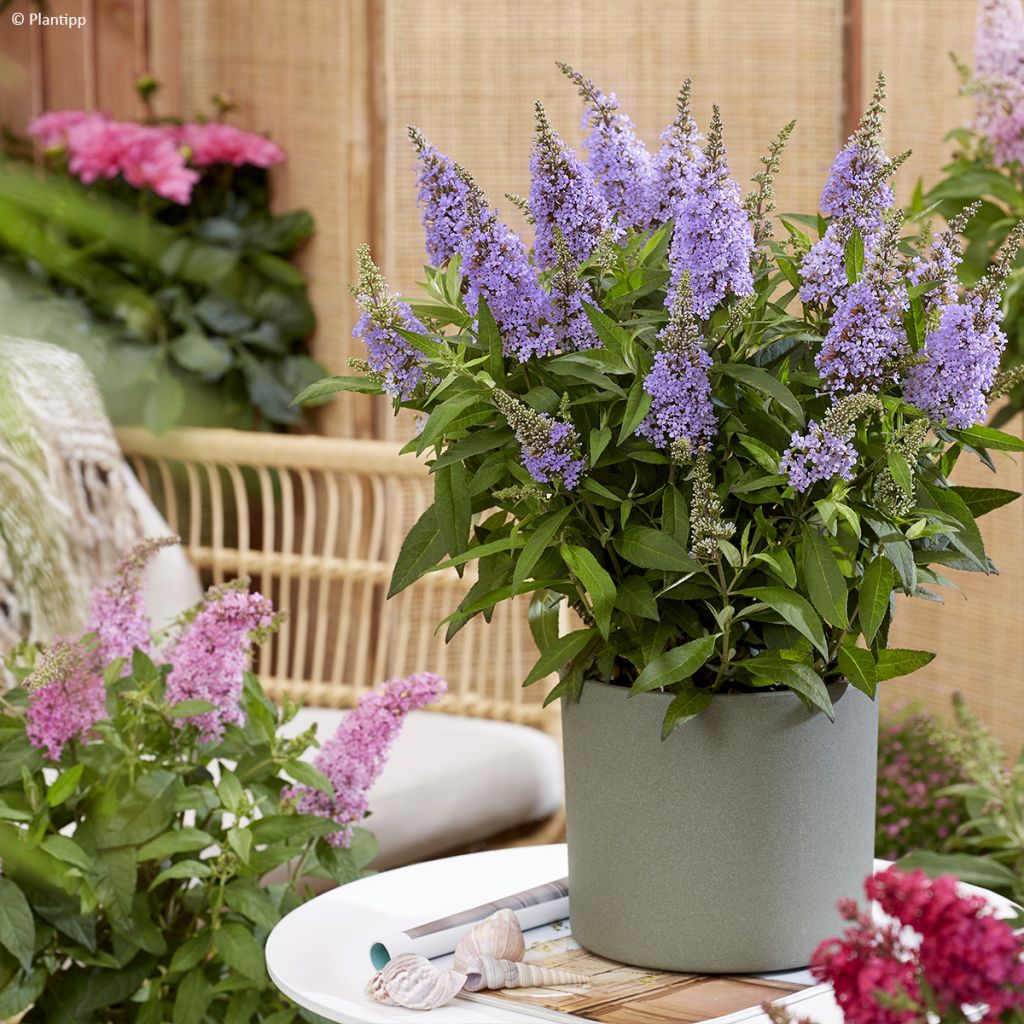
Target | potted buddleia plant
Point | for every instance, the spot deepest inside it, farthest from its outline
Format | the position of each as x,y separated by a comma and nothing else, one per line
721,454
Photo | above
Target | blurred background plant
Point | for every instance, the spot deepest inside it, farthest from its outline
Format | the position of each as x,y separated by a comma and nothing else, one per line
915,760
151,250
989,166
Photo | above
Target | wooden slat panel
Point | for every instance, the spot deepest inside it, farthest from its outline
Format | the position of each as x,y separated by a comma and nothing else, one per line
21,68
120,40
69,64
163,53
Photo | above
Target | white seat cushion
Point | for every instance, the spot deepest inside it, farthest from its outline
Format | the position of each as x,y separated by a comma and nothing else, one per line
452,780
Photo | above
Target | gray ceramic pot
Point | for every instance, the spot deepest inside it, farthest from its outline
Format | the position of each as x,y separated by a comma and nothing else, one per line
725,847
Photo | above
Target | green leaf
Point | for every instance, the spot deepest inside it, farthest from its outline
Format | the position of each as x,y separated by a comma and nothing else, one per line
164,404
854,256
635,597
559,654
276,828
140,813
980,500
596,580
190,952
490,337
761,380
424,546
230,791
823,578
675,665
481,551
647,548
304,772
987,437
542,532
876,586
191,998
17,928
599,440
983,871
182,840
772,668
899,470
198,353
118,881
451,499
675,515
444,416
969,540
322,389
64,785
795,609
542,616
67,850
638,405
685,705
858,666
899,662
612,336
191,708
248,898
182,869
240,840
779,562
240,951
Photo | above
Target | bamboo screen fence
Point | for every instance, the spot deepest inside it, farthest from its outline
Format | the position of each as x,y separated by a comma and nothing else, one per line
336,81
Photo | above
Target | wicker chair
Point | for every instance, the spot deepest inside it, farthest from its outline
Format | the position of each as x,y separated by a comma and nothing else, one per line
317,523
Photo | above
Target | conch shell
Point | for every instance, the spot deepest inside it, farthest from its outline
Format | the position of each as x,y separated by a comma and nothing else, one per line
490,973
498,936
412,981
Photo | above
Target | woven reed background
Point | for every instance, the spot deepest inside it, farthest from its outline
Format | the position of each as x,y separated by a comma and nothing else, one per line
336,81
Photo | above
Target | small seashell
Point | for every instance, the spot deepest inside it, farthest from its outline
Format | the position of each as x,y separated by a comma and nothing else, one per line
498,936
412,981
375,990
487,972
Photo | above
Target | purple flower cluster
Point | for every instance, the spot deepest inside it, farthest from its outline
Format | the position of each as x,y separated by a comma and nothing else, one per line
676,162
817,456
564,197
867,334
569,323
823,268
442,195
497,268
353,758
400,368
850,178
66,697
549,448
209,659
619,161
999,38
678,383
713,239
961,361
999,65
939,264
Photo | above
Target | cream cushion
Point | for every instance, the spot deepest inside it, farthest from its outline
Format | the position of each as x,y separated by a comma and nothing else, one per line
451,780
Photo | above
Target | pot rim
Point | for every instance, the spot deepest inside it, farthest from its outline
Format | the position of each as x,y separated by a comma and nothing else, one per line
833,688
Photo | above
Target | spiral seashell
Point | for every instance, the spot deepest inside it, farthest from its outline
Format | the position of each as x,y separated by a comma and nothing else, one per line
498,936
412,981
490,973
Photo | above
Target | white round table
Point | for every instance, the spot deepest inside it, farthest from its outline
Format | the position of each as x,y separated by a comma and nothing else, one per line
319,955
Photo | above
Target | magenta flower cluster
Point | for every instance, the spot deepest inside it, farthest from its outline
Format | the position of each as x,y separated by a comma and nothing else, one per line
353,758
162,157
962,956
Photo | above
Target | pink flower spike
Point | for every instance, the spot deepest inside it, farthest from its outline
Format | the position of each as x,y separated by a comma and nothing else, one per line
209,658
355,755
66,697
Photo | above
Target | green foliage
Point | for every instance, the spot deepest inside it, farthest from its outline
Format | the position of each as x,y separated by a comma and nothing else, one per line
693,573
131,886
199,295
987,848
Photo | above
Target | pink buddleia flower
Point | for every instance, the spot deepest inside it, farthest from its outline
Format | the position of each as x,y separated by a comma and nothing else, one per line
51,129
217,143
355,755
117,615
66,697
209,658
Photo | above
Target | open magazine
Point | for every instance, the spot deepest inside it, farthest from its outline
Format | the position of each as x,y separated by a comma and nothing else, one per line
617,993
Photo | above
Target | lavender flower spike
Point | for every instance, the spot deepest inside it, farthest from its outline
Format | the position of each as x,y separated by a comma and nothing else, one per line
497,268
400,368
678,383
572,328
855,167
713,239
563,195
619,161
999,39
825,451
676,162
867,336
550,448
941,261
442,195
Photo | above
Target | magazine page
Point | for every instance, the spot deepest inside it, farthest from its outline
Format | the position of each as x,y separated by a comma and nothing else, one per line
620,994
